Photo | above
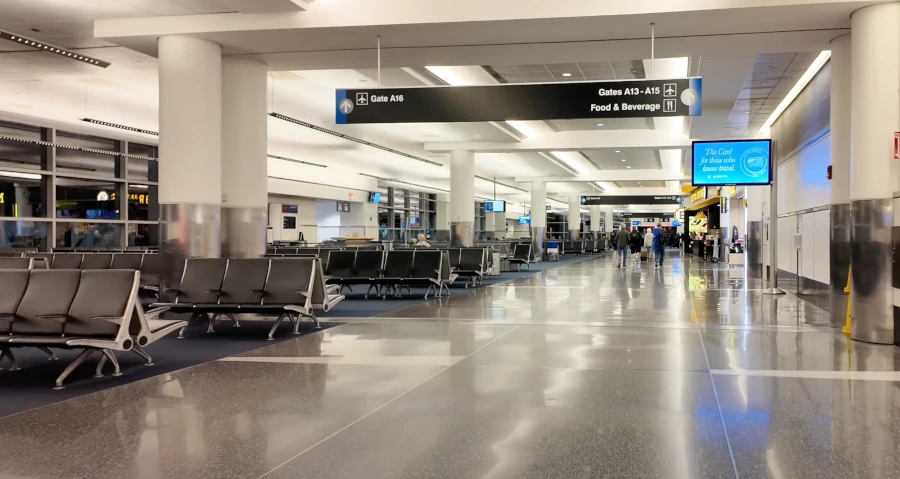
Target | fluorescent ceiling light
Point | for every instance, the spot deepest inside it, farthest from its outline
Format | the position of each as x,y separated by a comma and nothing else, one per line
283,158
522,127
140,187
120,126
41,46
24,176
446,74
566,74
599,124
564,157
804,80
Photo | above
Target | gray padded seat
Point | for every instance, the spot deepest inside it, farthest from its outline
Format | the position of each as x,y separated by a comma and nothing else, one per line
41,260
97,261
289,282
244,282
12,285
45,304
426,270
323,299
100,301
16,263
200,283
67,261
151,268
127,261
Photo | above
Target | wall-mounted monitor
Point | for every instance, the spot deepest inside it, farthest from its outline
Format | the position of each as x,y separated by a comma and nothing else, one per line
524,220
375,197
494,206
290,222
735,162
289,209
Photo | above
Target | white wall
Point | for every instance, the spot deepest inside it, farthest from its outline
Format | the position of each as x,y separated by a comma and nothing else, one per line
802,183
306,219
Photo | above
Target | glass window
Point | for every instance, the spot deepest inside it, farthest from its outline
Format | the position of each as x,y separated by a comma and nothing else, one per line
89,199
22,195
141,169
24,234
143,202
88,235
87,162
143,234
20,154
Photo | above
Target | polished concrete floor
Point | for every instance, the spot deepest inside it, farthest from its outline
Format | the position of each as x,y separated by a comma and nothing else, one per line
579,372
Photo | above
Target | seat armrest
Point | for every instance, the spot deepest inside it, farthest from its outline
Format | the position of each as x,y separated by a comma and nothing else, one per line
301,293
156,311
171,290
51,316
113,319
259,292
214,291
150,288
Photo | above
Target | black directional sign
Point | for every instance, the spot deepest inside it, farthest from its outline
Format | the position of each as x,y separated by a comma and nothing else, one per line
630,200
533,101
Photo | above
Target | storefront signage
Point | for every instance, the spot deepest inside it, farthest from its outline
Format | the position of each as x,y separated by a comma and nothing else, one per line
139,198
630,200
736,162
2,197
521,101
698,194
102,195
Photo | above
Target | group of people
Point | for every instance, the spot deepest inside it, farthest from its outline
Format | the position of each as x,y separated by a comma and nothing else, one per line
653,242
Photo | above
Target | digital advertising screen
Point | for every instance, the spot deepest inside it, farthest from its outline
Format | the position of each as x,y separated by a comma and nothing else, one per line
524,220
375,197
736,162
494,206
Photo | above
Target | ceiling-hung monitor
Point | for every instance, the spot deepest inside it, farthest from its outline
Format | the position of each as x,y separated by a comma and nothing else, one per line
375,197
494,206
524,220
734,162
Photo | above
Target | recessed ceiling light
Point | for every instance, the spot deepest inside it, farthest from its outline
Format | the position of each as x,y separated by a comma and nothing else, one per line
566,74
628,167
623,159
599,124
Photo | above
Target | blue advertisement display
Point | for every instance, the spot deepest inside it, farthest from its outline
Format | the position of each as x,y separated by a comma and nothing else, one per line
736,162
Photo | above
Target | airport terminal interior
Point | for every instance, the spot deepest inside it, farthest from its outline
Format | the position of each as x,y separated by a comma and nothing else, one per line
449,239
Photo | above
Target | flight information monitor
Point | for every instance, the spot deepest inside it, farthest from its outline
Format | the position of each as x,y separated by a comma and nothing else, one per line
736,162
494,206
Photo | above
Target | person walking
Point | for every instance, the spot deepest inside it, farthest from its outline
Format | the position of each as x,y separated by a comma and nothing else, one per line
622,246
648,244
635,241
658,247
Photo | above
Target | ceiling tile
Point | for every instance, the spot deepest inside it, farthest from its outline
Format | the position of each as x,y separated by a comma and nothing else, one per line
530,68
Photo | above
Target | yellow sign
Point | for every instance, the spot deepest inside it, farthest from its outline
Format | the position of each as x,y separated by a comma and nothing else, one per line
698,194
139,198
731,191
2,197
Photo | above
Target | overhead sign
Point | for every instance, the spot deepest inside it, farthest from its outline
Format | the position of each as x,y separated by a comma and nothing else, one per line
698,194
630,200
736,162
521,101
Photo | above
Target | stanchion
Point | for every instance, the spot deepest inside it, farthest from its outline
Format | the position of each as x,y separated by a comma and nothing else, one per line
848,325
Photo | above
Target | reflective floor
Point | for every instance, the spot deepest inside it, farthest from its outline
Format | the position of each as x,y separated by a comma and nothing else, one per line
582,371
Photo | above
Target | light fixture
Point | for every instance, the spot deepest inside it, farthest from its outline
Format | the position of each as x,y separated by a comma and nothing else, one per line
296,161
567,74
24,176
623,159
628,167
804,80
566,158
77,148
599,124
139,187
121,127
618,151
348,137
52,49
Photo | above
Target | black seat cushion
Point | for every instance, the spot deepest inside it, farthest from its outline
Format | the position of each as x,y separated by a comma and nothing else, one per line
202,280
46,302
12,288
97,261
127,261
67,261
244,281
15,263
151,268
341,264
289,281
101,296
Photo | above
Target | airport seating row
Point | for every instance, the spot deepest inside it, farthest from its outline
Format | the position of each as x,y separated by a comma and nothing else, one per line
149,264
212,287
105,249
393,271
93,310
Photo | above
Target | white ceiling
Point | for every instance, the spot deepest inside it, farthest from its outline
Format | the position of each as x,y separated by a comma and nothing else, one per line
746,73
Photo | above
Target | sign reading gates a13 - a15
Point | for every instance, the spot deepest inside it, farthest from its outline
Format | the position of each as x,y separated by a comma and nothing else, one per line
735,162
521,101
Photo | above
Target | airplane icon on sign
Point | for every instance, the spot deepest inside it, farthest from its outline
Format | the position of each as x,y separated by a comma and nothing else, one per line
670,89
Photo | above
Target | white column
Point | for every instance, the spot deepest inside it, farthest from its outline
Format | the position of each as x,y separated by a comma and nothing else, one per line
538,217
190,147
875,79
595,219
839,214
462,198
574,219
244,148
442,214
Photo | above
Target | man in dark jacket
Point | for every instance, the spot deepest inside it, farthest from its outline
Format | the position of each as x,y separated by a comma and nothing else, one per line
622,246
635,241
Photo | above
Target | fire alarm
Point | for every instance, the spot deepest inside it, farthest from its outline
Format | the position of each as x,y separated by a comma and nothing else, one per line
828,175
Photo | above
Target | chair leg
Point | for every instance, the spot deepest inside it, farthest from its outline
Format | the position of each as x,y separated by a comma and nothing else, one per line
53,356
314,319
99,372
71,367
234,320
211,321
6,352
108,353
191,320
430,287
370,290
142,353
275,326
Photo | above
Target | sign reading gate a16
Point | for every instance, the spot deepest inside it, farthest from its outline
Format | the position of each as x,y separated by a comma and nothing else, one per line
519,101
